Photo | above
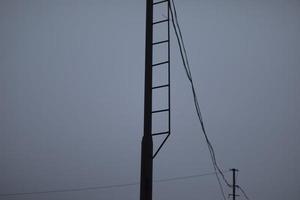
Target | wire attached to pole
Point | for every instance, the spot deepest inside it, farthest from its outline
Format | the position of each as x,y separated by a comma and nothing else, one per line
105,187
186,65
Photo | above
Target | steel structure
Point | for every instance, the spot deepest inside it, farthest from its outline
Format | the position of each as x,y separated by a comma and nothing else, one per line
147,153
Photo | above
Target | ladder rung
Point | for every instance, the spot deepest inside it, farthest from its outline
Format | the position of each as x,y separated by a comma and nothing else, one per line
162,21
158,2
161,133
160,86
163,110
161,63
160,42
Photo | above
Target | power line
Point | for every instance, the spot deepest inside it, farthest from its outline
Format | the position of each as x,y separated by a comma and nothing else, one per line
106,186
70,190
186,65
243,191
186,177
189,75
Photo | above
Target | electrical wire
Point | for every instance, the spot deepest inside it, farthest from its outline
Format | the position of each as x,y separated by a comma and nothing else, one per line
106,186
243,191
186,65
187,177
189,75
69,190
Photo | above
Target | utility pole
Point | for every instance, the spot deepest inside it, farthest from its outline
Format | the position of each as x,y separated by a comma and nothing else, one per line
234,182
147,142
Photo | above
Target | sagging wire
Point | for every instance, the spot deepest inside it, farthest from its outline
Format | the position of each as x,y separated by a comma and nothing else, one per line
186,65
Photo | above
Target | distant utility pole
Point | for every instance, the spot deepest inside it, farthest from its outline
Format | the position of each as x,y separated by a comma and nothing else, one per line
234,171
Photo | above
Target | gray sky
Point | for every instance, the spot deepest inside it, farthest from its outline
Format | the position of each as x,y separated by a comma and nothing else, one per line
71,98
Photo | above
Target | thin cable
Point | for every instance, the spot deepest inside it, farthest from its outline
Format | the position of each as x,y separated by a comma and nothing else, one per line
70,190
243,191
106,186
187,177
186,65
189,75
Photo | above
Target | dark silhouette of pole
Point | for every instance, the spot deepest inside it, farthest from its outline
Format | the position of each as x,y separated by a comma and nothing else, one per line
147,142
234,182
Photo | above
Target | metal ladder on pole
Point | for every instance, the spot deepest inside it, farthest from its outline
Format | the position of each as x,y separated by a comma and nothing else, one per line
165,63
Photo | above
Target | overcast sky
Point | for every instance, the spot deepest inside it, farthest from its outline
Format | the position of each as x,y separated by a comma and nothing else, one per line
71,98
